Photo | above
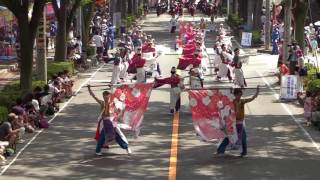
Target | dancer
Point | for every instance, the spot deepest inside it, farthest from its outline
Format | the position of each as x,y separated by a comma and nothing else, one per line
239,80
138,63
239,110
106,131
116,68
176,87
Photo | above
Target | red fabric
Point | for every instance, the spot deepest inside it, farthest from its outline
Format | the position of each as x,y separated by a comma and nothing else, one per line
212,110
146,47
98,131
137,61
135,98
173,80
184,62
186,51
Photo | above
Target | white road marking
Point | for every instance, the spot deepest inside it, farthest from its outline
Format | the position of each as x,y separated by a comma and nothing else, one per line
55,115
284,106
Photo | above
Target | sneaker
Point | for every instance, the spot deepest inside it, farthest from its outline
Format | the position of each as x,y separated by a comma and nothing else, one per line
219,154
99,154
243,155
20,141
129,151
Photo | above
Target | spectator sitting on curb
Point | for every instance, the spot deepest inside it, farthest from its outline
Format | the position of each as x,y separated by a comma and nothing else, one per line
7,133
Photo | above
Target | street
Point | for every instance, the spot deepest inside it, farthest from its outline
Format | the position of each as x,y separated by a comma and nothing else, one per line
279,147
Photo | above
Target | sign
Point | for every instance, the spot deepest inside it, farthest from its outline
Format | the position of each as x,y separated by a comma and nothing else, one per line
246,39
289,87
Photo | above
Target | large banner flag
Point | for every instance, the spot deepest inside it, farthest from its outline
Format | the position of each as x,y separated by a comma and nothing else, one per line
133,101
213,114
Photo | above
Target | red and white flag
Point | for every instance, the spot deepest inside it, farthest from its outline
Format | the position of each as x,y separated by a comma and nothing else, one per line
133,101
213,114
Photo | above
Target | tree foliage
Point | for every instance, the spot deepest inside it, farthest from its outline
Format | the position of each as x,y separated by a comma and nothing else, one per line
27,33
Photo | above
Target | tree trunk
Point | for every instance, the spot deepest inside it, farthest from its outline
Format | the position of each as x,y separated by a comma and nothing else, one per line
118,5
130,7
135,7
235,7
87,14
300,13
124,8
257,14
61,38
250,14
267,26
26,51
287,31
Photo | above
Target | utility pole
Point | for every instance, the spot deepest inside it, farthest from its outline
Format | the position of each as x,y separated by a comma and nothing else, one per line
267,27
287,29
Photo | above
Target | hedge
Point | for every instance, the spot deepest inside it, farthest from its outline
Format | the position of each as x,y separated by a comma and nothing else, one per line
314,86
11,92
311,74
55,67
234,20
3,114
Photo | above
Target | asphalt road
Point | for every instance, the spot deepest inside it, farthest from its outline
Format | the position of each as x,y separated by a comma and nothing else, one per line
278,147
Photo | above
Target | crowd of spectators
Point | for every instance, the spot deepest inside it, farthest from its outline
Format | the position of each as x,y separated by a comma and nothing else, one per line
30,111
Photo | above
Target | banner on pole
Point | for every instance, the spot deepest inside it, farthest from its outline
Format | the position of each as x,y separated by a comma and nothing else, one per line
213,114
289,87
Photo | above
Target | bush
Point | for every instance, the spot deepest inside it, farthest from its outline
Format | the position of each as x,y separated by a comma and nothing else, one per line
312,70
91,51
11,92
234,20
128,20
3,114
256,36
55,67
314,86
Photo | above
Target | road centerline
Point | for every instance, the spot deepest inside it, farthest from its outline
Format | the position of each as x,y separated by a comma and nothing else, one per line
174,147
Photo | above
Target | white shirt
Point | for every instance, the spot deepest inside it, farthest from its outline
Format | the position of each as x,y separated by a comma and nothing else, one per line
173,22
35,104
98,40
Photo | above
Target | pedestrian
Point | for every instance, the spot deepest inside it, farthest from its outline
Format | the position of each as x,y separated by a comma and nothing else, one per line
98,41
173,24
107,130
275,40
314,46
240,124
53,32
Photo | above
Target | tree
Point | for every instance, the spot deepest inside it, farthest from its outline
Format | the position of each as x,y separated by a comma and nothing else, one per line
87,14
130,7
64,12
299,11
124,7
27,33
